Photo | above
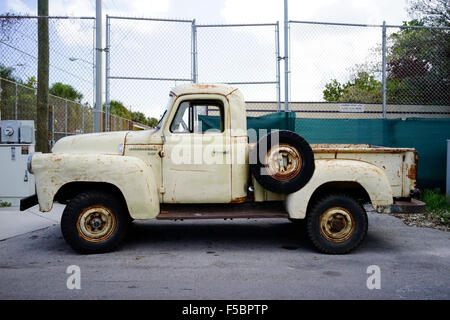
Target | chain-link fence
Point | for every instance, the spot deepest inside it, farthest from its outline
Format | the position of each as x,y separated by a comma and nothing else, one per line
71,74
147,57
336,70
244,55
66,117
350,71
71,52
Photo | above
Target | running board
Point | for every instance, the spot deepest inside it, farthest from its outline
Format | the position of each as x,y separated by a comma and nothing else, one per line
222,211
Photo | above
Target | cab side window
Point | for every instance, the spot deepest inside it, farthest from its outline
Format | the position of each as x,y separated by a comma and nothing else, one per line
199,116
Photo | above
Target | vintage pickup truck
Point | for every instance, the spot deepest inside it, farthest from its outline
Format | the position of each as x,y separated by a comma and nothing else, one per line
179,170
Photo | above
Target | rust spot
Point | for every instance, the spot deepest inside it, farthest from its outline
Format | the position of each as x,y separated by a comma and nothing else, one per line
205,86
238,200
188,170
412,172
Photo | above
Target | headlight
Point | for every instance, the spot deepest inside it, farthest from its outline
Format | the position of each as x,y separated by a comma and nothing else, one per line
29,163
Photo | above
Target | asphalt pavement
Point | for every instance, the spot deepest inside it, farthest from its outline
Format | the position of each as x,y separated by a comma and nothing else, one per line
217,259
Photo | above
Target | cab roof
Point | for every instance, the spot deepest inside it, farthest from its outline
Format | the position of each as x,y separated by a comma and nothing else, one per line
193,88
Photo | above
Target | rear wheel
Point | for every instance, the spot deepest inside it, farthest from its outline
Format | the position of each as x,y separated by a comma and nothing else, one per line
337,224
94,222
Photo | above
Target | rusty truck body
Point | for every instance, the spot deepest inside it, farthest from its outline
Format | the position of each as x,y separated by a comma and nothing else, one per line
180,171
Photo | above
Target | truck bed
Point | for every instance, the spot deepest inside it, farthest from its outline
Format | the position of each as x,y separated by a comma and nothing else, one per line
399,164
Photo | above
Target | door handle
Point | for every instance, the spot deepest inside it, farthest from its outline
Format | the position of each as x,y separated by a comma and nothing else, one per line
221,151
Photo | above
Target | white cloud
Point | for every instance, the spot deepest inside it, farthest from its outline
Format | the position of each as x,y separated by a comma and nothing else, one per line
138,7
78,34
111,7
18,6
352,11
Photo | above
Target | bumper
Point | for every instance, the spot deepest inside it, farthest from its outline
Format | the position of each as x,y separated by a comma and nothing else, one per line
413,206
28,202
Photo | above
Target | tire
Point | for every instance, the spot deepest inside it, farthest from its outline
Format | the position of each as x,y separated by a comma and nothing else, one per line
337,224
94,222
298,166
298,222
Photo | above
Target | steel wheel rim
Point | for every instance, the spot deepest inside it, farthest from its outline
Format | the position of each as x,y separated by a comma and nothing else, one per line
337,224
96,223
283,162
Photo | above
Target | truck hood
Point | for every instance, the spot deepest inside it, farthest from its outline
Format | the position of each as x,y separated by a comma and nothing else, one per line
100,143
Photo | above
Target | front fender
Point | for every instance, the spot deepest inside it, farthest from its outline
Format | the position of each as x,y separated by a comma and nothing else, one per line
133,177
370,177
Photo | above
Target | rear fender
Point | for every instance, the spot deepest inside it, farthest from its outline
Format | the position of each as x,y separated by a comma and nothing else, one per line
370,177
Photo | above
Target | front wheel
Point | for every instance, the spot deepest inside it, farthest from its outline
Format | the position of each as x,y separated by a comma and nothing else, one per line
94,222
337,224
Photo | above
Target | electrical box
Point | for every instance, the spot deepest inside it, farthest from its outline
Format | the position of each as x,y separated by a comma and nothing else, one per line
10,131
16,144
26,134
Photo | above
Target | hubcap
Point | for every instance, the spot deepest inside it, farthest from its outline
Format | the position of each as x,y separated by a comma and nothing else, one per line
336,224
283,162
96,223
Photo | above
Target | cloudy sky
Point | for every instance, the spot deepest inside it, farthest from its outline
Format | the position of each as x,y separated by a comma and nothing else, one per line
318,53
229,11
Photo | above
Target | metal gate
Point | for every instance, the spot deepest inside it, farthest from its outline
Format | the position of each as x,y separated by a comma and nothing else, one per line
145,57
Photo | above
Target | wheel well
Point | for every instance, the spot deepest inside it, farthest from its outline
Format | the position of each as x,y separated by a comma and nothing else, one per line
71,189
353,189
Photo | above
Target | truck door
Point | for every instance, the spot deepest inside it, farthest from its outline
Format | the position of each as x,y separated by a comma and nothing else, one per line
197,152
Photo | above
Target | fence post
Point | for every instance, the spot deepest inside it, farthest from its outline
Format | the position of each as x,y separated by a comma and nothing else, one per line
277,54
98,66
194,52
65,116
286,58
107,69
15,100
384,68
82,118
53,125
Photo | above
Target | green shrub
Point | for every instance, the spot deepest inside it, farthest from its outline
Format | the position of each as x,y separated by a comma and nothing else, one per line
437,205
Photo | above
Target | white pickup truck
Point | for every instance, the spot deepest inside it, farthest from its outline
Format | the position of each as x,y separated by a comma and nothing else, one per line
181,171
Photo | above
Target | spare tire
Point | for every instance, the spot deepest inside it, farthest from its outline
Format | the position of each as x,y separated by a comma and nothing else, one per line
282,161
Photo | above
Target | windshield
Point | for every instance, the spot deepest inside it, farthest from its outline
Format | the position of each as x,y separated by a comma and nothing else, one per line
164,116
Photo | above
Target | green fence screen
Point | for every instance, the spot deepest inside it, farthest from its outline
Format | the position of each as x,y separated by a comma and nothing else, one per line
427,136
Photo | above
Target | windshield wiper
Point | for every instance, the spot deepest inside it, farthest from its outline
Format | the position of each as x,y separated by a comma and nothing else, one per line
162,117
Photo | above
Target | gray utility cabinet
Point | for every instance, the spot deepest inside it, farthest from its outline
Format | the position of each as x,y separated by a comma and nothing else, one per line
17,142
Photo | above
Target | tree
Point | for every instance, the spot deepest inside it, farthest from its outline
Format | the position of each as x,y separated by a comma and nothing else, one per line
418,63
65,91
362,88
6,73
139,117
43,76
432,12
152,122
418,66
117,108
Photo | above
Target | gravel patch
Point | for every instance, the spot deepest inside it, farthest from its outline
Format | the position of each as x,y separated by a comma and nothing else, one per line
423,220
